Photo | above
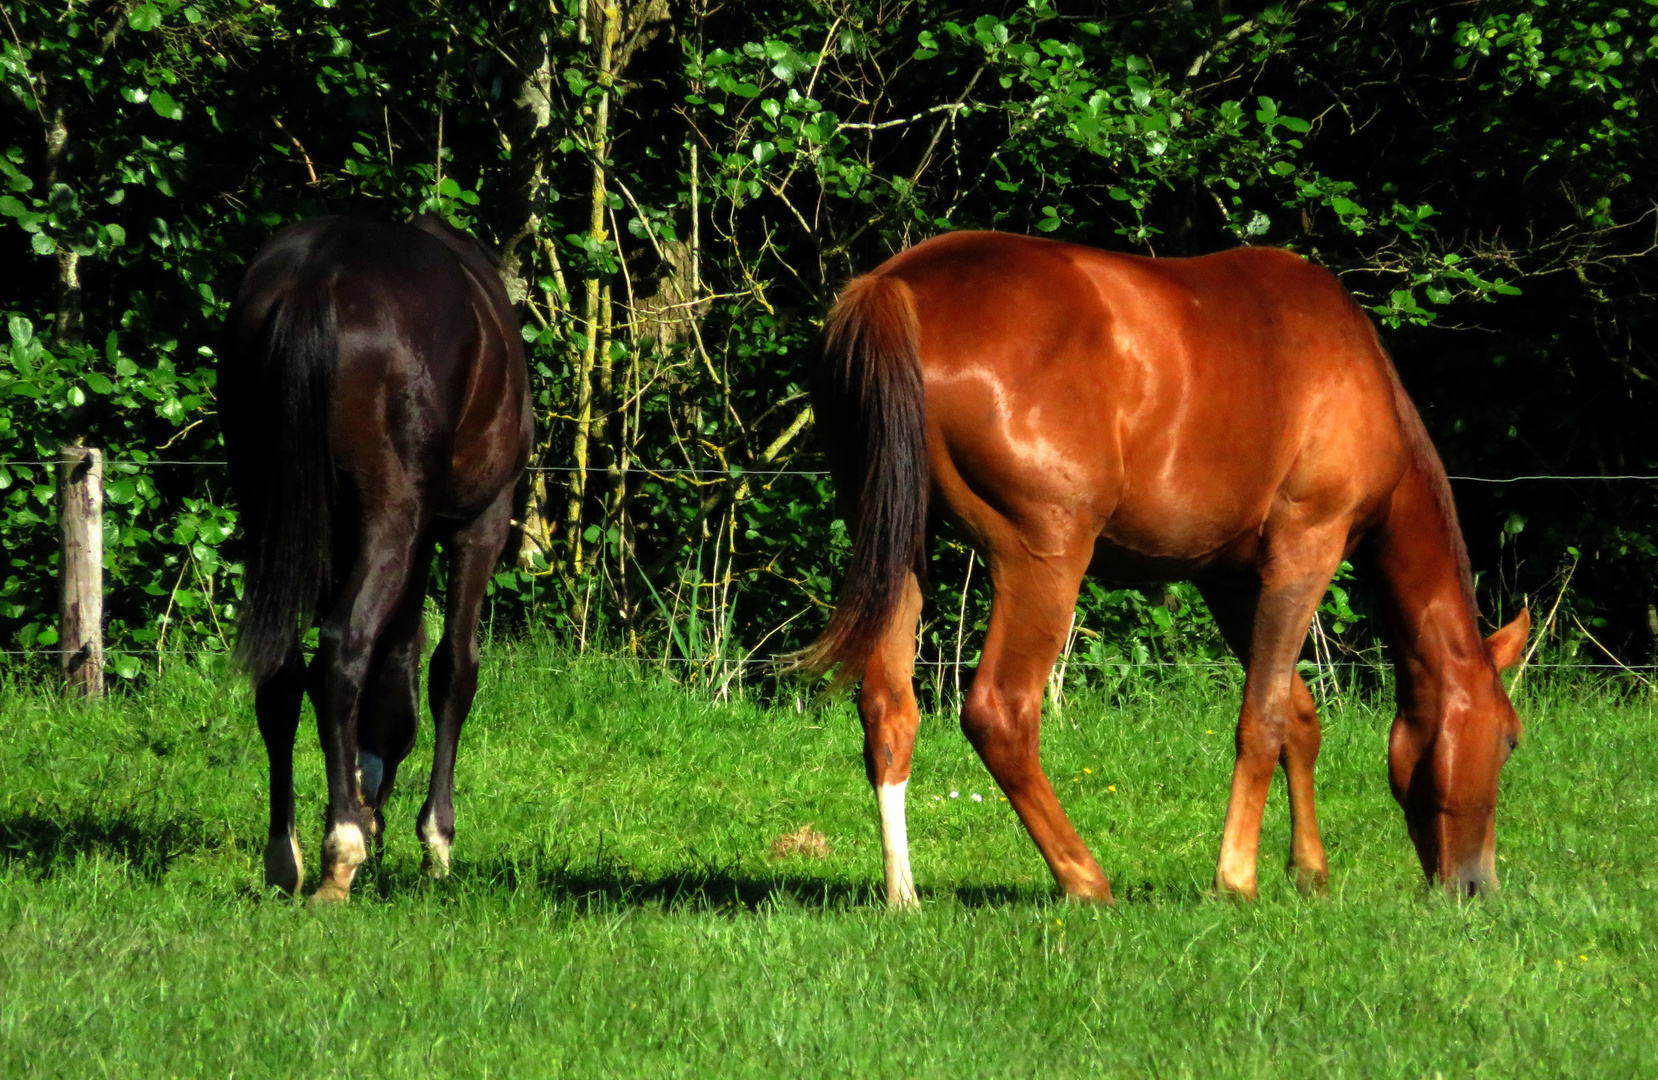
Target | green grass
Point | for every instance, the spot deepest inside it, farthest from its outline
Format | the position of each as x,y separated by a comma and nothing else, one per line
615,910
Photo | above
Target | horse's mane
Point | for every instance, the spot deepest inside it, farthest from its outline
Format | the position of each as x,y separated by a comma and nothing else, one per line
1425,459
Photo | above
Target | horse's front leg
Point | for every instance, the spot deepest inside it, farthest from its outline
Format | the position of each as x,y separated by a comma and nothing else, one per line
1233,607
1296,569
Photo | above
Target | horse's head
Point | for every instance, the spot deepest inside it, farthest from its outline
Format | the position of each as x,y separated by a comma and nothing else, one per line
1445,775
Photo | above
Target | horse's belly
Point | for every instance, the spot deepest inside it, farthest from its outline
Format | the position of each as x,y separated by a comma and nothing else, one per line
1166,543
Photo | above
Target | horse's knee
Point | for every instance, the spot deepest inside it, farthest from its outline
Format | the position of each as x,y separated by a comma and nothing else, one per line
1302,735
998,723
1262,734
454,661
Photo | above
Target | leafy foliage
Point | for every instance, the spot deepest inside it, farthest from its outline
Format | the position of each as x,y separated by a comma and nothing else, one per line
677,191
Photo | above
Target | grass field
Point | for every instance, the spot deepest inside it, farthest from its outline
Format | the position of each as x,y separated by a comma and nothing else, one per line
615,909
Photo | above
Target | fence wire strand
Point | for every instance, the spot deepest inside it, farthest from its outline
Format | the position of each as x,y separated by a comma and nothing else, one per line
739,473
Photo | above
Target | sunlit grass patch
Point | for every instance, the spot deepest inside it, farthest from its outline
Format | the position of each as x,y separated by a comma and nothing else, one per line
618,906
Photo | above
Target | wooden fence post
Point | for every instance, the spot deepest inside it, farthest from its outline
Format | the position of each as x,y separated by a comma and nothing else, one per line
81,569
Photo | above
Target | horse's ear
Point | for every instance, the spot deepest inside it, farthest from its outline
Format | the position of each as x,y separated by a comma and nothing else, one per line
1506,644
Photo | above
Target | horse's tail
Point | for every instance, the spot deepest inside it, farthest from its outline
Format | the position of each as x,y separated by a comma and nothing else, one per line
289,481
871,413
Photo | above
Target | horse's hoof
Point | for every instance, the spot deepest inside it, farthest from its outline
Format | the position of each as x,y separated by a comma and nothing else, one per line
1241,891
436,863
1097,894
284,868
329,894
905,900
1310,881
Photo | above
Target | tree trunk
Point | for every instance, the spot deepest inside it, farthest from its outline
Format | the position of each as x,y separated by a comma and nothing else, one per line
599,143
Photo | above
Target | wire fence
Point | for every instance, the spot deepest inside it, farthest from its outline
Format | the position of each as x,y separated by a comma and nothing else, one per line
738,472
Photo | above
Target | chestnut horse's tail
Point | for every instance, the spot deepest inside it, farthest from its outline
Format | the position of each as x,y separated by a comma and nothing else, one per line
871,415
288,475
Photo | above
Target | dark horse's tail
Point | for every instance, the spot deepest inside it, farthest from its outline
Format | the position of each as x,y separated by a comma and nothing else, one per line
285,473
871,415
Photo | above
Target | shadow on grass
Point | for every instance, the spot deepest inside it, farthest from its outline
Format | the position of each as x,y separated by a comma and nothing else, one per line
43,845
717,888
601,885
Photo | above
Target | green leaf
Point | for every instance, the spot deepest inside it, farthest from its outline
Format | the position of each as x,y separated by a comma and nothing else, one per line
43,244
165,107
144,17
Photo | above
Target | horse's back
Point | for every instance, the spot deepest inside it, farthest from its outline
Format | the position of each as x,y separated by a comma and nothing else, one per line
429,384
1165,404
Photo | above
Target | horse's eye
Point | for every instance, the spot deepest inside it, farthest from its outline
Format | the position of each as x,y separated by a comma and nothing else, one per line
1513,741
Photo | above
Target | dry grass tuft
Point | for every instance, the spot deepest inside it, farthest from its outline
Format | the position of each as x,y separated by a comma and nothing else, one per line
804,841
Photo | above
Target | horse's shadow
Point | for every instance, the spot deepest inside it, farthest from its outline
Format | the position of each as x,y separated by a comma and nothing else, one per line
700,886
42,846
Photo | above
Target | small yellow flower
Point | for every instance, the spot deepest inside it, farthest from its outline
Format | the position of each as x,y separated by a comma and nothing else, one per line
1111,787
1210,731
1580,956
1059,922
1086,769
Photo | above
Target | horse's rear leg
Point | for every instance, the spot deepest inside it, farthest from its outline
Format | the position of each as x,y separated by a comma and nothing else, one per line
276,705
339,673
1030,616
1294,576
886,704
390,717
454,674
1234,611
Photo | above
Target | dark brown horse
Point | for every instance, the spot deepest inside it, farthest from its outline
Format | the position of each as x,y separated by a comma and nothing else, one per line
1232,420
375,404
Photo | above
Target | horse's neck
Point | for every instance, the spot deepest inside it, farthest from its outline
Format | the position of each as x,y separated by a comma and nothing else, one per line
1421,563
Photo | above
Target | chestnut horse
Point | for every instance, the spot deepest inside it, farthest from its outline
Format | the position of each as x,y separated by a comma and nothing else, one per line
375,404
1232,420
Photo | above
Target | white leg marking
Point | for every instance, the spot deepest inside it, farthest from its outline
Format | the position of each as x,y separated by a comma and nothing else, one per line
345,847
343,851
437,849
895,846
